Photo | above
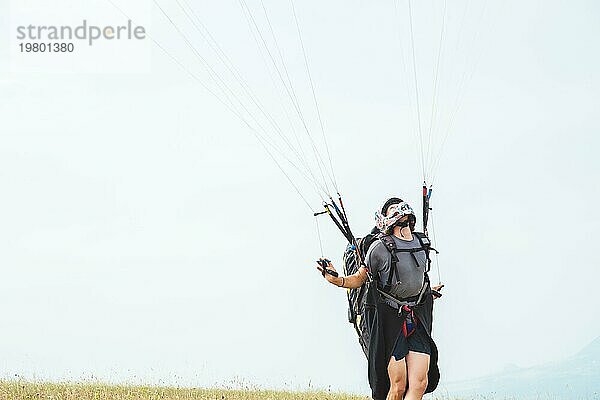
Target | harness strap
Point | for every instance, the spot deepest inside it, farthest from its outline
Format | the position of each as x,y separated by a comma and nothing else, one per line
406,302
390,245
409,321
415,250
427,247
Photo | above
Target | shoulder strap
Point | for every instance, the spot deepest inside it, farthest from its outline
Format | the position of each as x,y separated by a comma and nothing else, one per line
390,245
426,245
388,242
423,239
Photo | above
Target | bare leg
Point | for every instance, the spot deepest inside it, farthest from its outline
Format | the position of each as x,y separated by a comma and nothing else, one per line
397,373
418,366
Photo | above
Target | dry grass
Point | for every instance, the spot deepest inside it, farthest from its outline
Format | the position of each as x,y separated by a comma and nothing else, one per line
17,390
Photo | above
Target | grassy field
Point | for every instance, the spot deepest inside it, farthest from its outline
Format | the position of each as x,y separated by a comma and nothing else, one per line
61,391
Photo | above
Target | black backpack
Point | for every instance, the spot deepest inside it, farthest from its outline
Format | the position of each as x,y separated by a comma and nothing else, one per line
359,309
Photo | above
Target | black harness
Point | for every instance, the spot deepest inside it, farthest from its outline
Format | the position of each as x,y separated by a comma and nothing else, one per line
390,244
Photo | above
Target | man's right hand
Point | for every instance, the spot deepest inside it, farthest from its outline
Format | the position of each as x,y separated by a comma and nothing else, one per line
330,278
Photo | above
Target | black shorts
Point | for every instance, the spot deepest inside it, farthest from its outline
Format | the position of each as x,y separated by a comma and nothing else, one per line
418,341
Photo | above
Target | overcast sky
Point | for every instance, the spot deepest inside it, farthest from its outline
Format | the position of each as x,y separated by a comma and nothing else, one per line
146,236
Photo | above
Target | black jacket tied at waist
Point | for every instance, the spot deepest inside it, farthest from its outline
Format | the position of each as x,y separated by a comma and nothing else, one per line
382,342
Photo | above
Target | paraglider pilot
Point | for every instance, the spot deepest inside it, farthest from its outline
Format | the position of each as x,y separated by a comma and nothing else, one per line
402,356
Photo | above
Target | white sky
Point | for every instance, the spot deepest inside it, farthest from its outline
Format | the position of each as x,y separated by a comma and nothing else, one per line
145,236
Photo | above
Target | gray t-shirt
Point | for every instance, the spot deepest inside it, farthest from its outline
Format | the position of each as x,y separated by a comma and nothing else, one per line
410,275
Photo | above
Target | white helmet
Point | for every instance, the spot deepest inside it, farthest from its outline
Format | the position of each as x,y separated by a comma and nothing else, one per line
396,212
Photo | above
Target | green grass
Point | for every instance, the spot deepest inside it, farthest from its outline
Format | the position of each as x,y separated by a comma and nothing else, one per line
17,390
